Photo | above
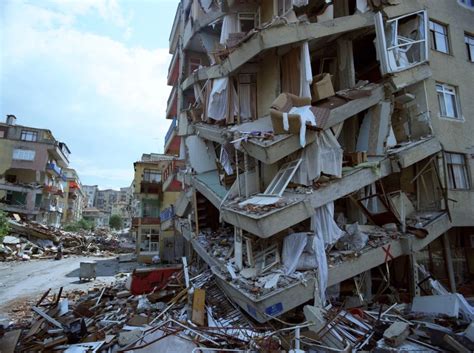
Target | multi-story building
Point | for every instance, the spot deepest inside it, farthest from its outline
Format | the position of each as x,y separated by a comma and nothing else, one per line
149,202
330,138
31,176
73,198
91,192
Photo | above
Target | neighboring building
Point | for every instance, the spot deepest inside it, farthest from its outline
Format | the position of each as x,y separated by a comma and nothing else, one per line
99,218
105,199
31,172
363,114
91,193
148,203
74,197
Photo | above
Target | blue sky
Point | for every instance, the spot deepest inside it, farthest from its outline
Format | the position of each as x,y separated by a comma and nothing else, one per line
94,73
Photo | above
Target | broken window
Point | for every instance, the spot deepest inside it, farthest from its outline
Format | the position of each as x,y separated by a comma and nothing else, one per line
151,176
458,177
247,21
23,155
283,6
469,40
282,178
467,3
447,100
439,37
401,42
27,135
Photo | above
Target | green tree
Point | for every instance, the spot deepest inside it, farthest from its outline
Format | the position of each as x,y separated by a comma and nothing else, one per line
81,224
116,222
4,227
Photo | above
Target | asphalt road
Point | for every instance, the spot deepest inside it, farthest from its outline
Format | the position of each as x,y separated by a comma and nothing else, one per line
32,278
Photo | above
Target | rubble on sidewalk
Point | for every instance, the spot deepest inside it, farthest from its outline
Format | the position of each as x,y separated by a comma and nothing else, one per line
31,240
191,312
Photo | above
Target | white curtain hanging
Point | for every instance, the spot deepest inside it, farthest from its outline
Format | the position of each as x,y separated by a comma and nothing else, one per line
219,103
230,24
245,98
306,74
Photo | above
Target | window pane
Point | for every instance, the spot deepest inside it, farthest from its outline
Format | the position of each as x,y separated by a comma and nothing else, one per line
460,177
450,101
442,108
441,42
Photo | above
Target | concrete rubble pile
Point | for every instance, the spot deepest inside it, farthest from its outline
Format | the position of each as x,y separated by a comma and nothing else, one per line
191,314
30,240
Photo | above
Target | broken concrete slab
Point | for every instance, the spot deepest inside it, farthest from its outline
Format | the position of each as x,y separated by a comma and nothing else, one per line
396,333
437,304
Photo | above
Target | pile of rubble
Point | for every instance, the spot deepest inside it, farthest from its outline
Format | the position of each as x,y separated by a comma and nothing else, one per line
187,314
30,240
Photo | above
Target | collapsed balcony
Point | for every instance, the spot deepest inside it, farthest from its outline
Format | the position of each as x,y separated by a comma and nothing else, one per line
263,287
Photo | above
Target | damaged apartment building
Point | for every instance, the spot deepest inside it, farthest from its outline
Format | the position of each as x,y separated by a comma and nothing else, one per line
34,175
155,190
327,147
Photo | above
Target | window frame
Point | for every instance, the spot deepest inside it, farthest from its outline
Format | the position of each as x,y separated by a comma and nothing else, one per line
467,6
469,46
147,173
433,37
388,52
445,92
450,170
25,133
18,154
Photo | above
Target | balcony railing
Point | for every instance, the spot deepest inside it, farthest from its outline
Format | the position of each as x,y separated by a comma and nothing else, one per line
171,129
145,221
147,187
54,167
167,214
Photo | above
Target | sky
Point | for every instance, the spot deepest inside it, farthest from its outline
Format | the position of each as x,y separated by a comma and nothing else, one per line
94,73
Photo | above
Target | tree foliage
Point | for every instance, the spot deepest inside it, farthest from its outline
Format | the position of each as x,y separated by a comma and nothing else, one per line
4,227
116,222
82,224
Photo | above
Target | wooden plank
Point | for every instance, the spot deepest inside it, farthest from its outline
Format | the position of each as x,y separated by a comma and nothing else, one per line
199,307
9,341
47,317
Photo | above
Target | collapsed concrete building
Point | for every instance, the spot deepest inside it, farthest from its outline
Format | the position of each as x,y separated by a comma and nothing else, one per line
328,146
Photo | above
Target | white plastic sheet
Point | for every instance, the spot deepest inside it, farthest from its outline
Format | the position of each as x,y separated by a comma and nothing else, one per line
219,102
326,232
322,156
306,74
230,24
293,246
324,225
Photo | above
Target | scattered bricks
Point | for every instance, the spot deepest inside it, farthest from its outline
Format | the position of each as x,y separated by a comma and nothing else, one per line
396,333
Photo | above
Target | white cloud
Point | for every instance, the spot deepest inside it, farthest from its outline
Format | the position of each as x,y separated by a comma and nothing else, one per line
128,80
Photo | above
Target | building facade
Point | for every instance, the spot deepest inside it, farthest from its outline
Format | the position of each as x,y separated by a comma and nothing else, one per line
31,172
74,197
327,139
91,192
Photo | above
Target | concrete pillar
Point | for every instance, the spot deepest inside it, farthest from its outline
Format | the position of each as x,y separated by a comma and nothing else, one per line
345,64
414,280
449,262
